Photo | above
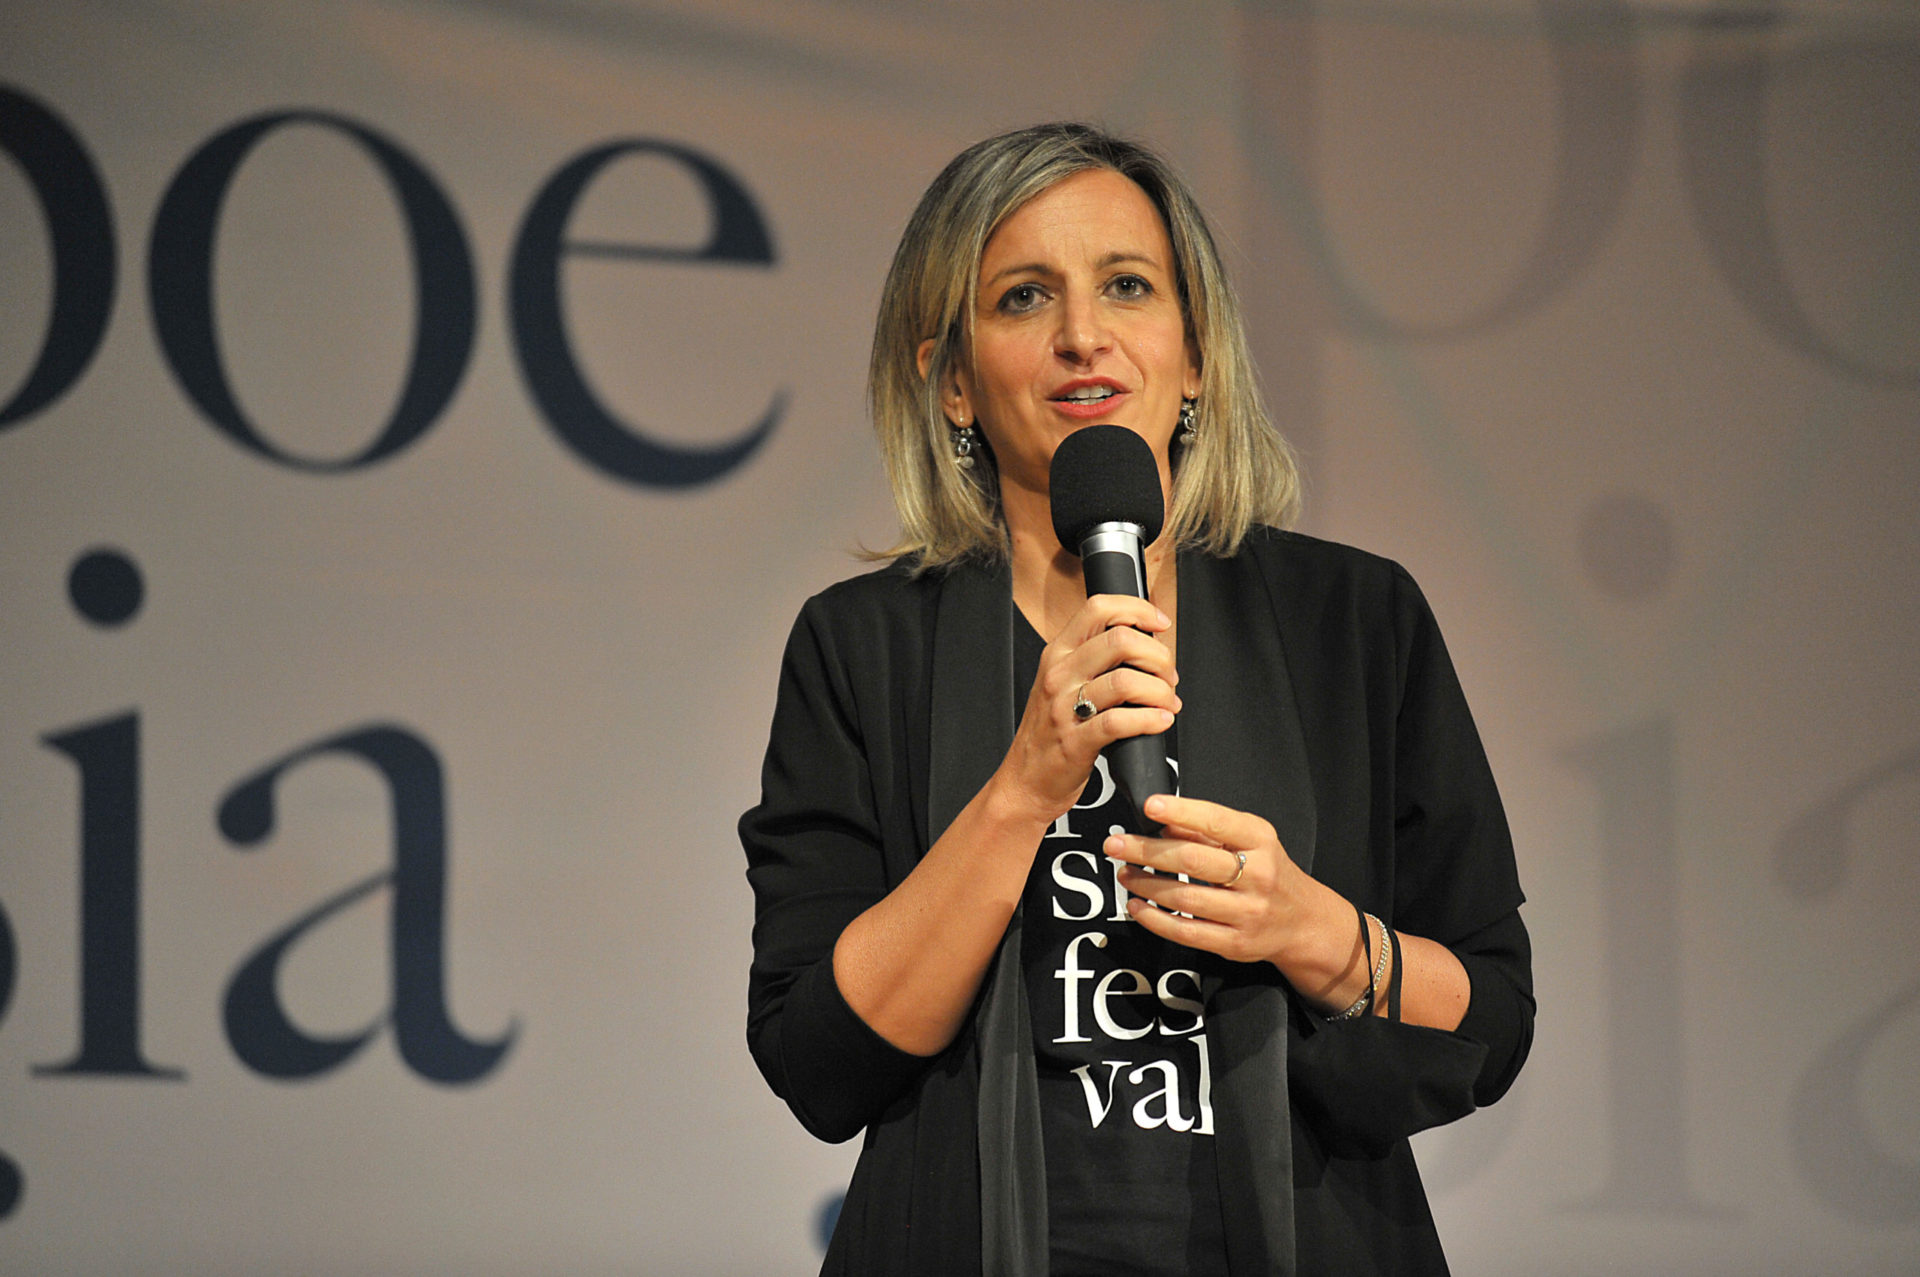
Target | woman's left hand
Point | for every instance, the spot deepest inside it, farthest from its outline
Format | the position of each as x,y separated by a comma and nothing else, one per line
1248,900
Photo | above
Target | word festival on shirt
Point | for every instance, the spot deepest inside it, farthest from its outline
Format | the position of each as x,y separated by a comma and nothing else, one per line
1104,1002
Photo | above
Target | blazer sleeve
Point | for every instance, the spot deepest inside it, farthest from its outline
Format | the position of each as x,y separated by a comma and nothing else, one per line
1453,880
1456,880
815,862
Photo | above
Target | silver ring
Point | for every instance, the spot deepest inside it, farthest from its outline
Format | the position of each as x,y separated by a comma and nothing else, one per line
1241,856
1084,709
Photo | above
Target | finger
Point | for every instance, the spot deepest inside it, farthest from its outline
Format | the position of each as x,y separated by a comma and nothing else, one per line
1128,720
1124,645
1195,933
1193,896
1174,855
1065,669
1183,834
1129,849
1103,612
1214,823
1126,686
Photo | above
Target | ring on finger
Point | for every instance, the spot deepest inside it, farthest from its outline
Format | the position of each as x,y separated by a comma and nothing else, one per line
1239,869
1083,708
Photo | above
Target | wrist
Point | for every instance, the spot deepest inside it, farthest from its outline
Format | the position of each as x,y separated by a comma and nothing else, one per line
1326,960
1009,808
1375,938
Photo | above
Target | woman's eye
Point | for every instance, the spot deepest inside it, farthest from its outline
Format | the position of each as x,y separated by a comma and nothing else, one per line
1022,297
1131,287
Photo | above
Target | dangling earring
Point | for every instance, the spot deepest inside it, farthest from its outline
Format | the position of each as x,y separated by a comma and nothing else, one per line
964,439
1188,431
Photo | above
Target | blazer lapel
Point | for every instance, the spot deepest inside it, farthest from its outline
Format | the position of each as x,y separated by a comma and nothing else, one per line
1240,738
973,722
972,688
1241,746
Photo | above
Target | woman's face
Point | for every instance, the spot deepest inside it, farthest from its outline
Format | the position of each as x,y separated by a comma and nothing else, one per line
1078,321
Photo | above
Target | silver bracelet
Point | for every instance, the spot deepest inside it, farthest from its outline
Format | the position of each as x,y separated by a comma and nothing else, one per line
1365,1000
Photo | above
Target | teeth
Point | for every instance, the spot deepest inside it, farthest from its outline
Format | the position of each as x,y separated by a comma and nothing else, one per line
1093,394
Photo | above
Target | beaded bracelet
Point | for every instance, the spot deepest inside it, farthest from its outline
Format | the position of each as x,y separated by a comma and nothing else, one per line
1365,1000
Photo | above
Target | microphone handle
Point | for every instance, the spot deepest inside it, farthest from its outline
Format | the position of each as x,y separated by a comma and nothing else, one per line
1138,763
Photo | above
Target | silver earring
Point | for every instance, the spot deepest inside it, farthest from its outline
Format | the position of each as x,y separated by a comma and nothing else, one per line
964,439
1188,431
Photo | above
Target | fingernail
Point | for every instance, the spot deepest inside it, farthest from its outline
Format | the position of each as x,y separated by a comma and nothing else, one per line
1156,805
1164,618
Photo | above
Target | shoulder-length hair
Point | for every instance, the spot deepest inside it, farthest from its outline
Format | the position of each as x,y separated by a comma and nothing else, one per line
1238,472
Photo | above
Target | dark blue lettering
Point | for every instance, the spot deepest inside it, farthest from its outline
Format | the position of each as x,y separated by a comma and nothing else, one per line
8,963
11,1181
540,337
73,202
108,756
180,287
12,1185
261,1033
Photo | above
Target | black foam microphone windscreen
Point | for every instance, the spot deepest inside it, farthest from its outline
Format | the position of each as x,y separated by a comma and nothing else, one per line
1104,487
1104,474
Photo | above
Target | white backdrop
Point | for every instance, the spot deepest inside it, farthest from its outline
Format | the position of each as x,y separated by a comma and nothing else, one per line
1602,317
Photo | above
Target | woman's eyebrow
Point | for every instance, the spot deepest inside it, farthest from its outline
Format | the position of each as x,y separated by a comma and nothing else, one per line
1041,268
1025,268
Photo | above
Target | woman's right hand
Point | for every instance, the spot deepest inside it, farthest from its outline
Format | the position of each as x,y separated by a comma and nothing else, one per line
1108,648
910,966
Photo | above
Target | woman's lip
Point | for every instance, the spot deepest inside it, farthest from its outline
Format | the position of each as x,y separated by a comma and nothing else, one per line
1081,409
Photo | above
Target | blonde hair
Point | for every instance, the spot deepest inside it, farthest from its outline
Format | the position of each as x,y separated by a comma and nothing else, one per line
1238,472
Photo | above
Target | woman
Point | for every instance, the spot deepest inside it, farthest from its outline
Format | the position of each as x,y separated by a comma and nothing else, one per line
1074,1048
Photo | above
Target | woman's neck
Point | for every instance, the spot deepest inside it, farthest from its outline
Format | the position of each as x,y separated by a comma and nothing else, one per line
1048,587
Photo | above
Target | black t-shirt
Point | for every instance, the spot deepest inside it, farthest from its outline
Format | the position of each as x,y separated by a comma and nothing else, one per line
1119,1037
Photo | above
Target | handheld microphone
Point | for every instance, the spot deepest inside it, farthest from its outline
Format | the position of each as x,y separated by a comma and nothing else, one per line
1105,491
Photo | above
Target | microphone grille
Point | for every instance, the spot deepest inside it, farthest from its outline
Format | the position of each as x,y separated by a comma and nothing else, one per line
1104,474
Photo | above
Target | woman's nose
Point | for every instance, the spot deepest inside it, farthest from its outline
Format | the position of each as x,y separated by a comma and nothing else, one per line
1083,331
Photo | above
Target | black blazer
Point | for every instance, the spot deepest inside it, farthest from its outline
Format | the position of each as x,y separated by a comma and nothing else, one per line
1317,693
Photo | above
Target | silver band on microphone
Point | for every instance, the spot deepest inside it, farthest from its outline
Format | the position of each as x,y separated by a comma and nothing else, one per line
1118,538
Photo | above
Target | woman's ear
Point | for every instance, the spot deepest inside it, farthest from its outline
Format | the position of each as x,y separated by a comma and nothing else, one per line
953,396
